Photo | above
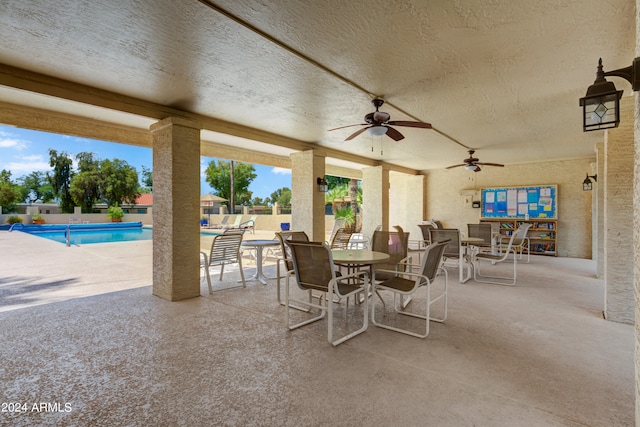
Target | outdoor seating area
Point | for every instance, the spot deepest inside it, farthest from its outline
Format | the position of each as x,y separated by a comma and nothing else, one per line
548,329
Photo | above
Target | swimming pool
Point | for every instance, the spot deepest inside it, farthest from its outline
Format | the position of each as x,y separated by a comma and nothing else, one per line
89,233
82,234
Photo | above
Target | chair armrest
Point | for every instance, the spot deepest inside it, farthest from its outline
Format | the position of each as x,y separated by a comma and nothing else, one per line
206,258
400,273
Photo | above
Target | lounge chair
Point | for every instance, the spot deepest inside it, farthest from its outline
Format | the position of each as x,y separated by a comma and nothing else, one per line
236,223
250,224
222,223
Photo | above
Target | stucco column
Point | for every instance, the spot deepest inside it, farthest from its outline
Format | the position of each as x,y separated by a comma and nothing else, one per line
176,209
375,199
618,208
406,202
307,203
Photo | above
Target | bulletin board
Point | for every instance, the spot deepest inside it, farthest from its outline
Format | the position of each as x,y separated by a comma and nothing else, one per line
533,202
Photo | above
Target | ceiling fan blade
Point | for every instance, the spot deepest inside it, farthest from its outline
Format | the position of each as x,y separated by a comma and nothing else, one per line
456,166
411,124
356,133
348,126
394,134
491,164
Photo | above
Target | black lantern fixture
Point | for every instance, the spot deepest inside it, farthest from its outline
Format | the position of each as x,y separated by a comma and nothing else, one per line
322,185
601,104
587,185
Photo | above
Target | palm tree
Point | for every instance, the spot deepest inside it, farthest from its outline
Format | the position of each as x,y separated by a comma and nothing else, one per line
338,192
353,195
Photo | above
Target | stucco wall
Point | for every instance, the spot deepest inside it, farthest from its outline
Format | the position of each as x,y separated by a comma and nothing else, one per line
447,201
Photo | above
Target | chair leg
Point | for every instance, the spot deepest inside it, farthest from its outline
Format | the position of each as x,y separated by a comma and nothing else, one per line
288,300
244,284
393,328
206,272
365,319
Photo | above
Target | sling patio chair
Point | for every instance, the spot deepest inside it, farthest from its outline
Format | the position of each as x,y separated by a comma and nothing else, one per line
521,242
341,238
285,259
225,250
407,284
480,257
482,231
314,270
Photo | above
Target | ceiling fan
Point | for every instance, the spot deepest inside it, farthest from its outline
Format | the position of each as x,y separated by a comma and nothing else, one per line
473,163
378,124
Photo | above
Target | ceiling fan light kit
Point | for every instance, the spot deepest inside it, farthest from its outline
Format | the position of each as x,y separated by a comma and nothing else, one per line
377,130
378,124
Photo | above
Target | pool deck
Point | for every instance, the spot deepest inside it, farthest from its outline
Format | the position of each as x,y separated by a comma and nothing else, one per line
82,328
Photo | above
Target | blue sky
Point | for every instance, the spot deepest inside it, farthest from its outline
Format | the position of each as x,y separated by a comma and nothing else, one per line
24,151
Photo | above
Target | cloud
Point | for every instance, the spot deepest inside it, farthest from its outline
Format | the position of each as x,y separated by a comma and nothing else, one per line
28,164
281,171
7,142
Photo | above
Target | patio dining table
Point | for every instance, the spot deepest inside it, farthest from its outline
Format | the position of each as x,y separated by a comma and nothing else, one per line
259,245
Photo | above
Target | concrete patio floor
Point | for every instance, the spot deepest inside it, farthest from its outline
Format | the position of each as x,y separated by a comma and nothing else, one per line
84,336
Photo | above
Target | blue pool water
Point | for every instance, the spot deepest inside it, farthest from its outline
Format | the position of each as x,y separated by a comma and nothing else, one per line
82,234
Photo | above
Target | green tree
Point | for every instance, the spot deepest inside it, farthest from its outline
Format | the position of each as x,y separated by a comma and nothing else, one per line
119,182
353,196
35,187
337,193
85,185
258,201
9,192
282,196
60,179
335,181
147,180
218,175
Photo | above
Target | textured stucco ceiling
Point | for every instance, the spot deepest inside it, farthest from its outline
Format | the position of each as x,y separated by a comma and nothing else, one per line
501,76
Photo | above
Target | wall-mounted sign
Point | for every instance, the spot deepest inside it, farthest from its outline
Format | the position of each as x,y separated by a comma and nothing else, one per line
532,202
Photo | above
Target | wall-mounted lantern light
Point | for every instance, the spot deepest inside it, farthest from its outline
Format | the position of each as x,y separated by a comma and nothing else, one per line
587,185
322,185
601,104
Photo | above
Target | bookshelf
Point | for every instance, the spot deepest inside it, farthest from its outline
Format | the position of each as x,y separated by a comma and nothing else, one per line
542,234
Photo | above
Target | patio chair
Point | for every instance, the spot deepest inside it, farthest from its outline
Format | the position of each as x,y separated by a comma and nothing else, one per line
338,224
406,284
236,223
480,257
285,258
225,250
250,224
426,236
394,243
521,241
482,231
314,271
341,238
452,250
222,223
